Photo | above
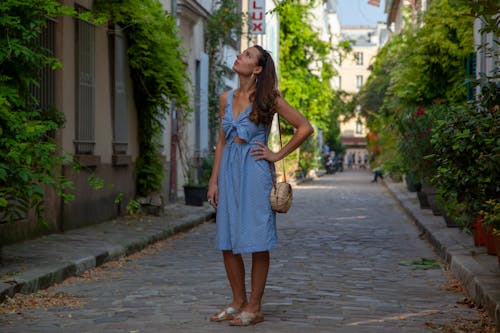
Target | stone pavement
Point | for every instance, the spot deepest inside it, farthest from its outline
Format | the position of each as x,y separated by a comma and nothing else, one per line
38,264
478,271
346,263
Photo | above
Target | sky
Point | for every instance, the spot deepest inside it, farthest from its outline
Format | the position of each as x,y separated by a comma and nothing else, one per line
359,12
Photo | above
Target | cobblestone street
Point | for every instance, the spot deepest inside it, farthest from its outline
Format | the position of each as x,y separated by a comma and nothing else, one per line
338,269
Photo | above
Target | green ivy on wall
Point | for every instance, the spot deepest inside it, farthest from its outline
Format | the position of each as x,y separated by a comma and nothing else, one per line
29,161
159,76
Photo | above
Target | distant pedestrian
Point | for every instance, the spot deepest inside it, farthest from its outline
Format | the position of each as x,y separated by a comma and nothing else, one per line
350,160
326,149
241,179
378,172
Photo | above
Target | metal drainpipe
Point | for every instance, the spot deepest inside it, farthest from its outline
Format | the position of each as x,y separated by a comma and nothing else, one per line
173,155
173,138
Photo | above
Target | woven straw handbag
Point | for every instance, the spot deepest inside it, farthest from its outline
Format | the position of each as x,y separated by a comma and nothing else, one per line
281,197
281,194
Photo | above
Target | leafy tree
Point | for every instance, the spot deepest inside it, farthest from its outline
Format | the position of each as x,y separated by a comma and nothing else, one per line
431,63
422,67
305,70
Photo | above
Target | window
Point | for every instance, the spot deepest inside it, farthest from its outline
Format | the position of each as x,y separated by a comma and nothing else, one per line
359,127
359,81
44,92
85,86
119,93
358,56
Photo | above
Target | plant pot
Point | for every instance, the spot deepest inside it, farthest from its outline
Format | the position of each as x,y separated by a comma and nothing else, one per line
490,243
496,240
422,199
195,195
412,184
450,221
478,232
431,198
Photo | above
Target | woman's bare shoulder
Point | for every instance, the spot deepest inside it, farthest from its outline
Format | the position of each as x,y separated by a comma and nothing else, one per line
282,104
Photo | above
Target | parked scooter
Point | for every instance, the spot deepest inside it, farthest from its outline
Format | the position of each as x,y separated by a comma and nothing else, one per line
333,164
339,163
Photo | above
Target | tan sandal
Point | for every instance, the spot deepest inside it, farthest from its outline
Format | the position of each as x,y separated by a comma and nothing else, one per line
247,318
228,313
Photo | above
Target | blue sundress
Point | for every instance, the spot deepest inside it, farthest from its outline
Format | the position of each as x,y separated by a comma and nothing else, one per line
245,221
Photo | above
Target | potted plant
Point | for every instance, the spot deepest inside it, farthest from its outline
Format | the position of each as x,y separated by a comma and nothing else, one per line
491,223
412,182
415,126
197,176
465,141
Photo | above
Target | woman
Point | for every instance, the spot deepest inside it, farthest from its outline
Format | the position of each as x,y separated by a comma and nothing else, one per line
241,180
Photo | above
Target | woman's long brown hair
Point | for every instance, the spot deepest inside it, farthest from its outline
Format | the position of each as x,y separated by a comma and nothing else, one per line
266,91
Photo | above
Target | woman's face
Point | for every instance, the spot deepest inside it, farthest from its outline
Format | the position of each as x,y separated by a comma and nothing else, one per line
246,62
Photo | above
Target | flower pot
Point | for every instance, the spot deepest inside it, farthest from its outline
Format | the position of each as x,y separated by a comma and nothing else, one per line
450,221
412,184
496,240
422,199
431,198
478,232
195,195
490,243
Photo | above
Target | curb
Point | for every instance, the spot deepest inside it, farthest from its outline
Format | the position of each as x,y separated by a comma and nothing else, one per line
115,239
476,270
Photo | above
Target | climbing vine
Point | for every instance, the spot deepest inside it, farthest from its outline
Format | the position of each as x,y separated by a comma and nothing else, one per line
159,76
29,162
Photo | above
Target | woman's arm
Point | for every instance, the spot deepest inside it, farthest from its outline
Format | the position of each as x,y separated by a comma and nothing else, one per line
302,130
213,189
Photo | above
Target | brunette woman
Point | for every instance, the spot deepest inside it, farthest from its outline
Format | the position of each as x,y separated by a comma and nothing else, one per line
241,180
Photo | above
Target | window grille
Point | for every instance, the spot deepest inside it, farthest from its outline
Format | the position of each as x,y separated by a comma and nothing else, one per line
44,92
85,90
119,85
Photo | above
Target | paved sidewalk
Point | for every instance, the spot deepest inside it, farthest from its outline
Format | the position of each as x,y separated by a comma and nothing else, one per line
478,271
40,263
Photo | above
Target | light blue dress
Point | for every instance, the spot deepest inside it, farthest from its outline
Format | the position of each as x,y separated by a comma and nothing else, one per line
245,221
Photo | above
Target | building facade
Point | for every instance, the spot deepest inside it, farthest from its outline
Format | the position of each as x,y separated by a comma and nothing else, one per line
94,91
353,71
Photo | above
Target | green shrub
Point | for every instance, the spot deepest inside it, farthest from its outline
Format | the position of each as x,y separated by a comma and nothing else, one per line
467,151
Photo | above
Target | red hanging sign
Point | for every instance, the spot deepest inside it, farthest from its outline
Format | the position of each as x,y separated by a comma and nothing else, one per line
374,3
257,22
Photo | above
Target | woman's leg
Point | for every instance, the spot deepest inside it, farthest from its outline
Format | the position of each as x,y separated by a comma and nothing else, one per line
260,268
235,270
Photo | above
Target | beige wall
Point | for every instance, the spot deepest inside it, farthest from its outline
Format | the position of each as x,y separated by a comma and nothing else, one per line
191,29
93,206
348,70
103,106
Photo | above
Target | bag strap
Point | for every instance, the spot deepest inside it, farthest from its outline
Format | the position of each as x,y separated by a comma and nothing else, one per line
273,172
